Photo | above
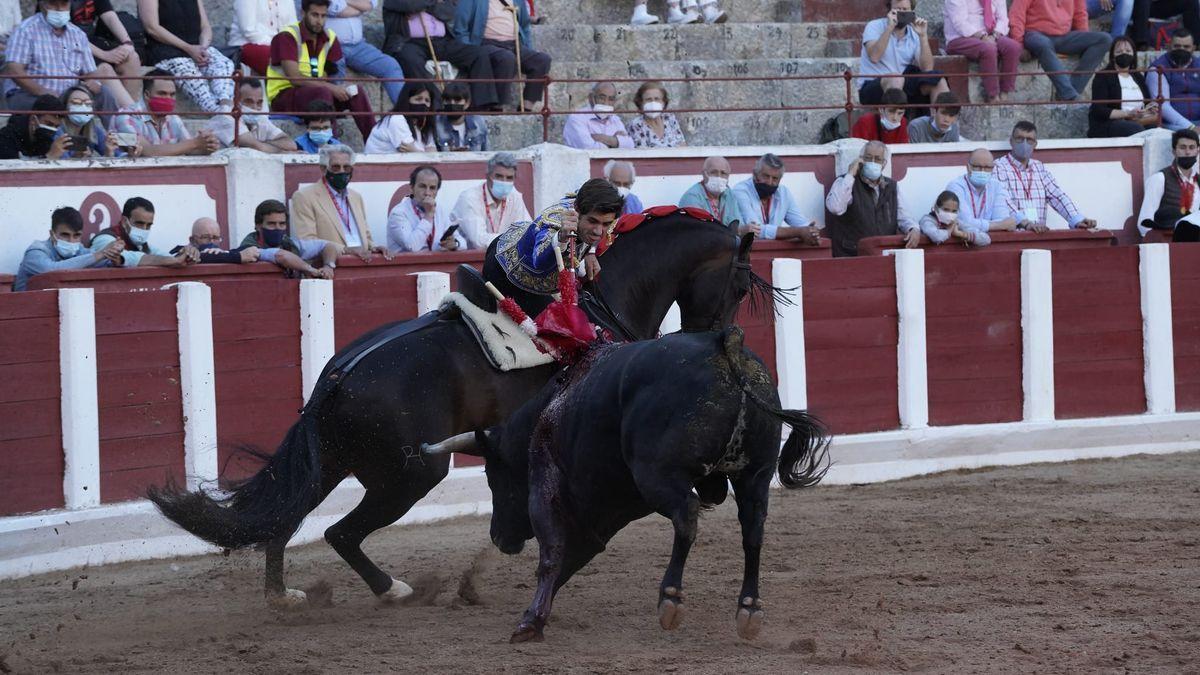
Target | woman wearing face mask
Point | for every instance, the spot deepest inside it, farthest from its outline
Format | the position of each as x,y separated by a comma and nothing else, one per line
81,121
941,224
654,128
406,132
1131,109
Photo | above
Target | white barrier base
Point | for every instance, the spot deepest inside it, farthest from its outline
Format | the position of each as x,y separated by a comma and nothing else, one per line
57,540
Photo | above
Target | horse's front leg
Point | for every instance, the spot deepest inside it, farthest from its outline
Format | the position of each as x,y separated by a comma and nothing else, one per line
752,513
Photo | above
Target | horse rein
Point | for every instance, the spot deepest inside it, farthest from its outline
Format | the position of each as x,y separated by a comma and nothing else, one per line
735,265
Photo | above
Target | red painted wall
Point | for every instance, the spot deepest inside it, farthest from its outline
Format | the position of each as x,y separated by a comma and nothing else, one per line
363,304
31,455
1185,303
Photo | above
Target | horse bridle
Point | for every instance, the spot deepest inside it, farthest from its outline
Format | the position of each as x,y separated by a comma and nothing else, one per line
735,265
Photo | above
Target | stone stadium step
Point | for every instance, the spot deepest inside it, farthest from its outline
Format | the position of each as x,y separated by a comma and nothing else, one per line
597,12
604,43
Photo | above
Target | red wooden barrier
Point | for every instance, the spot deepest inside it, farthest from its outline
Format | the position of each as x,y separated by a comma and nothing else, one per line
141,419
973,328
1098,364
31,454
1185,304
1001,241
366,303
6,282
850,331
760,326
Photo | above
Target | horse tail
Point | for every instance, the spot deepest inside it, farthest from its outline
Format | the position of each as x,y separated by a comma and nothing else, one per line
270,504
804,459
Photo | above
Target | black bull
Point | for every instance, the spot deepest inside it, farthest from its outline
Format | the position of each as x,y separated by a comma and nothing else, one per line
630,431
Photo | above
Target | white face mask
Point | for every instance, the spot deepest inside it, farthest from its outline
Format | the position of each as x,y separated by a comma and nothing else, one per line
624,191
716,184
888,124
68,249
602,110
652,109
253,116
138,235
947,217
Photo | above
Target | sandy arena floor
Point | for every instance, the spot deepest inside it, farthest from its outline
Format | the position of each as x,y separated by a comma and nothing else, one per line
1085,567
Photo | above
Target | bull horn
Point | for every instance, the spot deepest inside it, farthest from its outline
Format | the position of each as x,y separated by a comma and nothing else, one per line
463,443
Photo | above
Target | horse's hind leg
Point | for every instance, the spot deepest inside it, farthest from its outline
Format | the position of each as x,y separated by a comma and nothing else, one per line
276,590
673,499
752,494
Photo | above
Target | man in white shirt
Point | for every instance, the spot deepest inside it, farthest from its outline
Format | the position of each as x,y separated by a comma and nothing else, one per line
485,210
417,224
594,126
255,129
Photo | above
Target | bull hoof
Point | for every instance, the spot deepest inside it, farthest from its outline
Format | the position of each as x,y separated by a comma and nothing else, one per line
398,592
289,599
670,608
750,618
527,632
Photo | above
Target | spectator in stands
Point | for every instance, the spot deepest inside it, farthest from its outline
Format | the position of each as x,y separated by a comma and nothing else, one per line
887,124
1170,194
151,123
346,22
941,225
655,128
409,130
81,122
1052,27
622,175
110,40
296,256
865,203
713,194
64,250
318,129
680,13
939,127
304,55
180,42
35,136
1134,111
978,30
1180,91
594,127
771,206
255,23
255,129
1143,10
1030,186
484,211
898,44
1121,11
420,30
417,223
983,200
330,210
491,25
10,16
48,44
456,131
137,217
206,238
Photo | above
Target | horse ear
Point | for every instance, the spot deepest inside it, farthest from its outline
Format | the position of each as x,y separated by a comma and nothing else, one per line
744,246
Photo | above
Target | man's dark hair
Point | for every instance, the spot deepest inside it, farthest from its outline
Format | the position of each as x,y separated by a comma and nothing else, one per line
598,195
948,103
155,75
49,104
456,90
305,4
894,97
1181,33
318,107
136,203
412,177
269,207
1182,134
254,83
69,216
1024,125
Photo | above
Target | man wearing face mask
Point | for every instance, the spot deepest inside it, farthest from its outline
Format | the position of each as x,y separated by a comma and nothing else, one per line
330,210
1171,195
712,194
206,238
622,176
594,127
865,203
1180,91
983,200
763,201
137,217
64,250
1031,187
272,244
255,129
485,210
32,136
456,131
153,124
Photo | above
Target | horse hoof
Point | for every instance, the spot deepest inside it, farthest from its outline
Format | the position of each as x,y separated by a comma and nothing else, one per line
750,618
289,599
670,613
526,633
398,592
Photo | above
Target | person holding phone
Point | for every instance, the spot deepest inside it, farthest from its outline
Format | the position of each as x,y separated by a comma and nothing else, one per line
893,47
86,131
417,223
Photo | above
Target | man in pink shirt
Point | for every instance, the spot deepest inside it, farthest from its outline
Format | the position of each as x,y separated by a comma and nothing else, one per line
978,30
1052,27
594,126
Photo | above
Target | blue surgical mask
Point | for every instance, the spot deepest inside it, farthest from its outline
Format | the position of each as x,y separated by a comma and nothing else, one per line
138,235
80,114
980,179
501,189
321,137
872,170
67,249
58,18
1022,150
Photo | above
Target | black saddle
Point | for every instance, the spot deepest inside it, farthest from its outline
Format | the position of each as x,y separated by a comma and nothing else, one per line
471,285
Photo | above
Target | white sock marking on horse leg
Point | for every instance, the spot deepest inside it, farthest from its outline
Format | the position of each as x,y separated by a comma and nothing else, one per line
398,591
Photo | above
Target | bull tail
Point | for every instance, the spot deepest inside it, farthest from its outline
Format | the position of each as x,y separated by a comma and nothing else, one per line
804,460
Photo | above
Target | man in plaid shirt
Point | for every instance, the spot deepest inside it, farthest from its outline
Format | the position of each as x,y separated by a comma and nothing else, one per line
1030,186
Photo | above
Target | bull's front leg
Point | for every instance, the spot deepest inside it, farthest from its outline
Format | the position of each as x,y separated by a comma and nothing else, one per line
546,516
752,513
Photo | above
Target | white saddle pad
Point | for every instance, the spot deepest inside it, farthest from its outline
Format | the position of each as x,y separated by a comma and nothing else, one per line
506,346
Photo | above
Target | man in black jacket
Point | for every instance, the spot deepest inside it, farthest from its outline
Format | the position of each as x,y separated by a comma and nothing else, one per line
409,23
206,237
32,136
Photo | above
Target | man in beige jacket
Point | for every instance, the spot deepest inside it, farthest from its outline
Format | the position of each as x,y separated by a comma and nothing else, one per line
331,211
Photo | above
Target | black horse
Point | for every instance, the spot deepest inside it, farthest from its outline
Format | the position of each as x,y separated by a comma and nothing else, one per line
658,426
379,399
